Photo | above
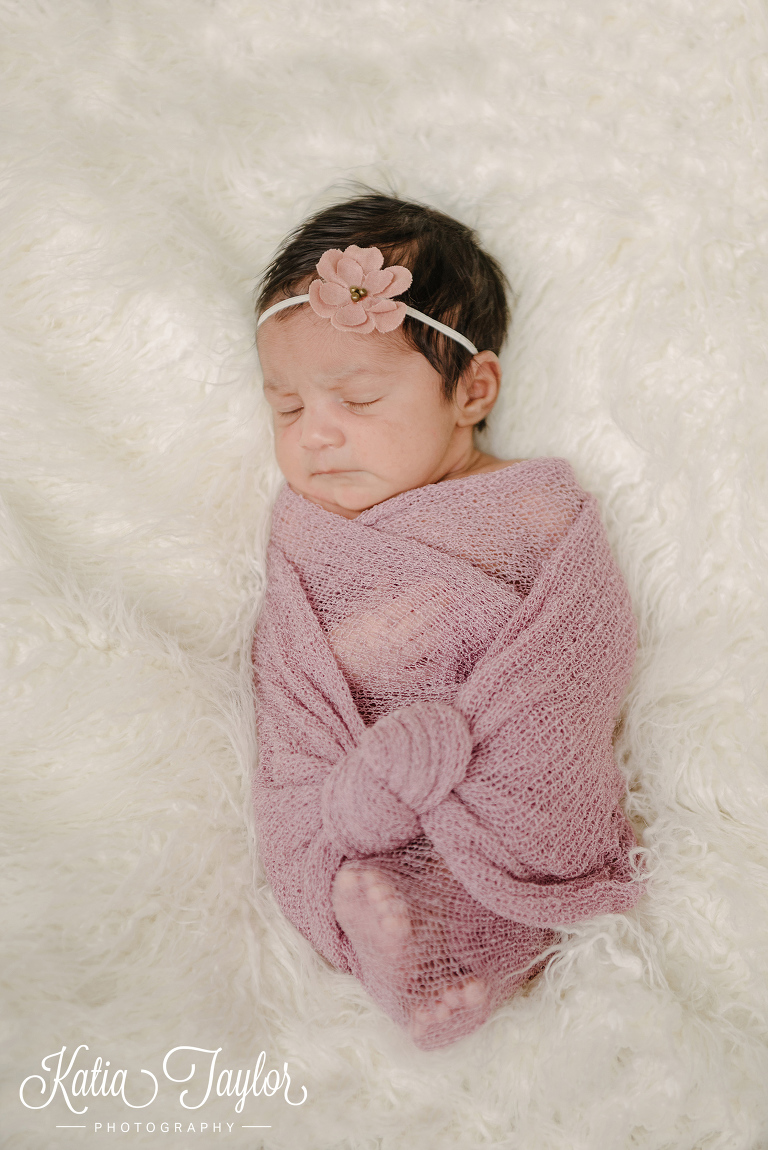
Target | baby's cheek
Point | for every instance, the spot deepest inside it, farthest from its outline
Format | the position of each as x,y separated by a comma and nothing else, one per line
286,458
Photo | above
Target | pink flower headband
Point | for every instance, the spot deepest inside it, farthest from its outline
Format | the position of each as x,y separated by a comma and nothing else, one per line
355,294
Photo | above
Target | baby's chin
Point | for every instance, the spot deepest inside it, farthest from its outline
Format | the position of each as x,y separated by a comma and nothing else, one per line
346,493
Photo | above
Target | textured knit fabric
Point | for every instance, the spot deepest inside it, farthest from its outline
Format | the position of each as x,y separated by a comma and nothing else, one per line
438,682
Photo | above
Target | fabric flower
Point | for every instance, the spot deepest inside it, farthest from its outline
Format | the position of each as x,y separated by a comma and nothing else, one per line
355,291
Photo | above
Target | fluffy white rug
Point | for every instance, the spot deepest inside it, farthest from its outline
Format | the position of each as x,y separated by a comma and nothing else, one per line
614,157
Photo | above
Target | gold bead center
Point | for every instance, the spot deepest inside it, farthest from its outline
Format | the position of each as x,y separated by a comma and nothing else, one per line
357,293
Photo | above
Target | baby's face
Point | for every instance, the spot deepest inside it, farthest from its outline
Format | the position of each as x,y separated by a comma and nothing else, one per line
357,418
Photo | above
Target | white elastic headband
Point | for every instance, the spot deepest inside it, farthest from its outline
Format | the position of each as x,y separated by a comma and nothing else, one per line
411,311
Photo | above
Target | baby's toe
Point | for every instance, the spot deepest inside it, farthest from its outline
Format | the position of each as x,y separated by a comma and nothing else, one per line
453,997
442,1011
377,890
396,923
474,992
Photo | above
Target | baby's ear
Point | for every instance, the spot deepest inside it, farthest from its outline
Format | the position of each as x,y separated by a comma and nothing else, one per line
479,387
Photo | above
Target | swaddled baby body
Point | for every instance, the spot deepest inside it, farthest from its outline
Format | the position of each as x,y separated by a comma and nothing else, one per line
369,411
420,642
416,634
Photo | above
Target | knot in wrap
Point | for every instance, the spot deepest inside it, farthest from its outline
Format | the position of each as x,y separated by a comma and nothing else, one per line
404,766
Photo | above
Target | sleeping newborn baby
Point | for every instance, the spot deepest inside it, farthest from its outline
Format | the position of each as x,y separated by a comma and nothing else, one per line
374,425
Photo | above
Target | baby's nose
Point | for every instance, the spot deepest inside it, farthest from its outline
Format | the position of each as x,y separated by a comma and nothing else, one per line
320,429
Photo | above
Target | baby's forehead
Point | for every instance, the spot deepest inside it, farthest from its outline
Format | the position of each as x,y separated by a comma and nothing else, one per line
330,381
294,349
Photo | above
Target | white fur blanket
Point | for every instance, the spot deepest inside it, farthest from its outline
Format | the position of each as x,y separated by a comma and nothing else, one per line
154,153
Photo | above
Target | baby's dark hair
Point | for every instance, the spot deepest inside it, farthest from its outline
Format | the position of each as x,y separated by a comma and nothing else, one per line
454,280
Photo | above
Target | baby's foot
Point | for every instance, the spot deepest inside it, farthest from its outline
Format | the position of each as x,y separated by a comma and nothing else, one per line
436,1004
456,1010
370,911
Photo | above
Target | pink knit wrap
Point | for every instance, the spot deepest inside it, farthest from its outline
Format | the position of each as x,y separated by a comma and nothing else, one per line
439,679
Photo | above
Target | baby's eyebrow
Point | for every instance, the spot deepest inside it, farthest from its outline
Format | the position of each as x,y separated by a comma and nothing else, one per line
354,370
333,381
